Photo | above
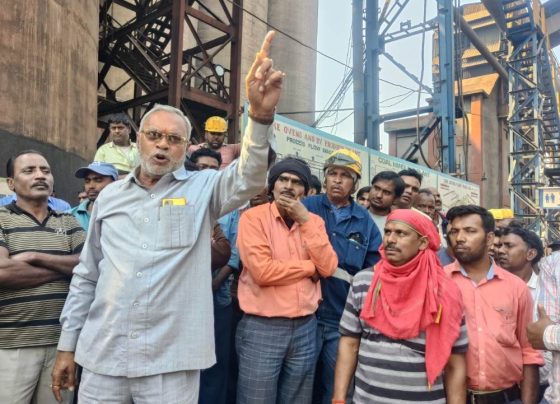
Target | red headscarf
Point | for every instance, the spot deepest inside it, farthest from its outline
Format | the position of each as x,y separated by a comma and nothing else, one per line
418,296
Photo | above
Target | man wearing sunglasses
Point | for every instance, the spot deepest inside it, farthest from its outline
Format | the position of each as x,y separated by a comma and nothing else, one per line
139,316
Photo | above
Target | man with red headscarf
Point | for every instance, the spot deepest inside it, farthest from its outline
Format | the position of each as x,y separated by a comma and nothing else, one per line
403,323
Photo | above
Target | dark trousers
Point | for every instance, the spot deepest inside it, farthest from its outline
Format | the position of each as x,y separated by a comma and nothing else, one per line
327,346
237,314
213,381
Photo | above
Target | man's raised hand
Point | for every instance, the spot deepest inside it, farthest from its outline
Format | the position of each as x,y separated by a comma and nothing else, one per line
264,83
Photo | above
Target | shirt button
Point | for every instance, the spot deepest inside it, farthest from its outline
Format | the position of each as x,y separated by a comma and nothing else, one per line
479,329
133,335
146,220
139,274
144,245
136,304
334,234
152,196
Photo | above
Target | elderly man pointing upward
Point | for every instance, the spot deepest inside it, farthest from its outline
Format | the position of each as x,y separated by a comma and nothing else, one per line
138,317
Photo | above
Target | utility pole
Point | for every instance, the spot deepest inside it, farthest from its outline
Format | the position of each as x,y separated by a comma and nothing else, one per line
372,74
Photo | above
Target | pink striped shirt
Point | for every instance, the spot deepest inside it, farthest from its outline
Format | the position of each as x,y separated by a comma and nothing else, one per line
548,294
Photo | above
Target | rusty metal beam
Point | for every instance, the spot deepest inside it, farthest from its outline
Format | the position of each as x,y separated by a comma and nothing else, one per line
235,69
128,28
201,97
149,50
199,15
480,46
176,66
123,106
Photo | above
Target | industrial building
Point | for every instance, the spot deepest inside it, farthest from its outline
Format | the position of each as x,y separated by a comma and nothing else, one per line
492,119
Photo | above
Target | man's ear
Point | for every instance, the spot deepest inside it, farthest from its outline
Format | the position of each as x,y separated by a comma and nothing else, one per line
531,254
423,243
11,184
490,239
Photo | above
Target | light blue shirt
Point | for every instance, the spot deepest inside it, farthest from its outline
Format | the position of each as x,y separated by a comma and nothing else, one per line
229,224
54,203
140,300
81,214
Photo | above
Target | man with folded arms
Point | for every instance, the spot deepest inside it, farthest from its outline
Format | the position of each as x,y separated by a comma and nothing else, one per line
284,250
403,334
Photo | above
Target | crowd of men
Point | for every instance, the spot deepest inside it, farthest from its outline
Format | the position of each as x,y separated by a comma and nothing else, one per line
212,274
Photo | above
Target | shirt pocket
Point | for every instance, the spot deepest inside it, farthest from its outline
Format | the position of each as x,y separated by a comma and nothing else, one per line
355,254
505,325
175,226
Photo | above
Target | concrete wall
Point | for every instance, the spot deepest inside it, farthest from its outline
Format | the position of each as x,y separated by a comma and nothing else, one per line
298,19
253,34
48,80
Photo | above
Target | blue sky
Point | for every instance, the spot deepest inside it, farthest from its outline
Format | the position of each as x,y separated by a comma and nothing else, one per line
334,35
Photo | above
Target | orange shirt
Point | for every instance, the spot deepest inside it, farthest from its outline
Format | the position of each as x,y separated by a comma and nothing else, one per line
497,311
278,263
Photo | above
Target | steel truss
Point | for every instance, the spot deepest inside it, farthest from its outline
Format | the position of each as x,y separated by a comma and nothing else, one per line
533,117
148,50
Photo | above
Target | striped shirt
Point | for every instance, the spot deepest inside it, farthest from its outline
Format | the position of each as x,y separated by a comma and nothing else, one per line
388,370
30,317
548,294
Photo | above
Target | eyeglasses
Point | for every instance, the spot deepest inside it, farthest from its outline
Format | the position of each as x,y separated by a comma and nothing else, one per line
171,138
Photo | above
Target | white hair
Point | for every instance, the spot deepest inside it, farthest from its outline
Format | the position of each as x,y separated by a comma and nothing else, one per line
170,109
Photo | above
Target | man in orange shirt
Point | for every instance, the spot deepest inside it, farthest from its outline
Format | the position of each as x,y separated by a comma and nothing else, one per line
285,250
502,367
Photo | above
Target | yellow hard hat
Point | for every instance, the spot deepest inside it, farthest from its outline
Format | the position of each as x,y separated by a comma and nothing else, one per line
345,158
215,124
500,214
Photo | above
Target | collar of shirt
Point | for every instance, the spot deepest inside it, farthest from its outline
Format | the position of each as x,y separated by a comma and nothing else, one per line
180,175
114,146
355,209
83,206
492,272
533,281
12,207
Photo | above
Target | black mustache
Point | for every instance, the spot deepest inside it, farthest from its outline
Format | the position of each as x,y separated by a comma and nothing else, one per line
40,183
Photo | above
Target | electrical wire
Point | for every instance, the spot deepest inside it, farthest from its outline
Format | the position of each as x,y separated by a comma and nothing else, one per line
406,96
396,96
337,123
346,71
422,67
288,35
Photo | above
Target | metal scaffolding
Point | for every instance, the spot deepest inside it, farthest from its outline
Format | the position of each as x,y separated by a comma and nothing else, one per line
377,35
533,115
144,42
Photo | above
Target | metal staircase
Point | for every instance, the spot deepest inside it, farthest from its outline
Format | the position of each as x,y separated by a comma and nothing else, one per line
533,114
136,37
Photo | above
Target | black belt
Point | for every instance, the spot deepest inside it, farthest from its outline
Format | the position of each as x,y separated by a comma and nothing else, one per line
495,397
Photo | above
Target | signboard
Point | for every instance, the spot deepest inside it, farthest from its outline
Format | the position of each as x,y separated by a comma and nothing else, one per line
313,145
550,198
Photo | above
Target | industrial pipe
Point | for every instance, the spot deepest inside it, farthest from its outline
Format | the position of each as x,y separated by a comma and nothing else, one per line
403,114
479,45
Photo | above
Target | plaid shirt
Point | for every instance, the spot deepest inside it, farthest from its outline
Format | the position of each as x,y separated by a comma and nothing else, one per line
548,294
